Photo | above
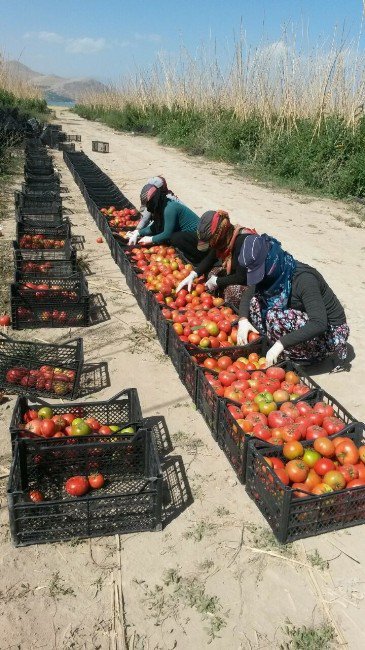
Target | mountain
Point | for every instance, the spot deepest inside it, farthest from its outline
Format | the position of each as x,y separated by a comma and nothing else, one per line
52,85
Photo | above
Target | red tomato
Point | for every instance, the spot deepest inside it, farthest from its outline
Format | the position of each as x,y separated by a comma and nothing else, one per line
347,452
314,419
324,446
324,409
59,422
96,481
360,467
261,431
282,475
277,463
256,418
293,431
226,378
350,472
68,417
312,480
105,431
357,482
301,490
48,428
303,408
279,419
297,470
335,480
36,496
77,486
276,373
332,425
292,377
324,465
293,449
34,426
93,423
314,431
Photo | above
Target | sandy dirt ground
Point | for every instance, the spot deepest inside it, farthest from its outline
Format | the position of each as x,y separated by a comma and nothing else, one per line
214,576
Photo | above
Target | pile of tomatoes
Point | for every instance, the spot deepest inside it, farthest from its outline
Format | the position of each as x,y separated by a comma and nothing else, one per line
45,291
32,268
328,466
120,218
161,269
62,317
43,423
46,378
40,241
248,382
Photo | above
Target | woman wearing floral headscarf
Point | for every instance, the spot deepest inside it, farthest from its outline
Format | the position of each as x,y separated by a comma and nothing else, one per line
292,304
221,264
173,222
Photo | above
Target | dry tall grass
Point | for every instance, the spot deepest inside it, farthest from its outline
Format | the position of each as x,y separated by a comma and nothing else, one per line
14,84
275,80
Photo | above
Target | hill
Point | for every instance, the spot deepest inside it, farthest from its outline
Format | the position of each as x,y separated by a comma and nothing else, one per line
53,85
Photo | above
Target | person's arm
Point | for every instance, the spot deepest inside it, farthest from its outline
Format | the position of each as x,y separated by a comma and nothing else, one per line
171,219
207,263
308,291
239,277
244,308
145,232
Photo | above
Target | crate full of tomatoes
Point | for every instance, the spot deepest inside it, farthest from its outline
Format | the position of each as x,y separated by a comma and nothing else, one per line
59,491
60,302
306,488
47,369
36,419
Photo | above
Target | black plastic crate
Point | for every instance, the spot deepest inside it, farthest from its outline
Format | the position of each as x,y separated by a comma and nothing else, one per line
123,409
160,324
39,217
101,147
141,294
294,518
130,501
234,441
48,267
31,355
28,312
35,195
66,146
73,138
69,289
38,201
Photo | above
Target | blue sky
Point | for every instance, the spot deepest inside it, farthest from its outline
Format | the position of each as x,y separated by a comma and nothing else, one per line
106,39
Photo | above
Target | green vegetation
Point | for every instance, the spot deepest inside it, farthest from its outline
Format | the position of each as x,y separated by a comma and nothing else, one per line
326,157
308,638
27,106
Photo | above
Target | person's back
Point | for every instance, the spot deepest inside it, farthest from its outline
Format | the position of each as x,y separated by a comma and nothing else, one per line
185,220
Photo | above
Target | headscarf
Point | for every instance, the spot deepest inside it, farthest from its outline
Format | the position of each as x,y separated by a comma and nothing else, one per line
275,288
216,230
153,193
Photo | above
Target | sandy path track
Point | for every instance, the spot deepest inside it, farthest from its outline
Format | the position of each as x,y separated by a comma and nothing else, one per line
207,550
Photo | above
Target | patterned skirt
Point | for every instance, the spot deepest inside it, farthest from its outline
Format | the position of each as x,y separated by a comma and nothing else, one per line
282,321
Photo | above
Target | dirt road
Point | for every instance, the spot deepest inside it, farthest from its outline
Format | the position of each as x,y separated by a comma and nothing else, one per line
214,577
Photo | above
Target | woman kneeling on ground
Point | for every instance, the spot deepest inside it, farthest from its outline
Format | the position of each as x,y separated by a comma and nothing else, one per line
173,222
221,264
292,304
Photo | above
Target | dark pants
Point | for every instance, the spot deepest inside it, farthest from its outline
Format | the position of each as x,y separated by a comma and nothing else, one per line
187,243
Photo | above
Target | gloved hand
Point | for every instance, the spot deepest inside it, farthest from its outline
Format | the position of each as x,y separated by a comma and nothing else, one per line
211,284
187,282
273,353
133,236
145,240
244,327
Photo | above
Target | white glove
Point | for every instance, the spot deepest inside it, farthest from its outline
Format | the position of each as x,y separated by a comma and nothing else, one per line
133,236
188,281
211,284
273,354
145,240
244,327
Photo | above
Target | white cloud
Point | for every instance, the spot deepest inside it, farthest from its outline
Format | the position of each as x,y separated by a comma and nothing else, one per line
51,37
81,45
85,45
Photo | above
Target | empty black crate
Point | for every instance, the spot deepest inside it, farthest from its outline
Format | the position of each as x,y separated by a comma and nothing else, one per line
130,500
66,146
48,267
101,147
40,217
234,441
293,518
16,357
73,138
30,309
123,409
25,200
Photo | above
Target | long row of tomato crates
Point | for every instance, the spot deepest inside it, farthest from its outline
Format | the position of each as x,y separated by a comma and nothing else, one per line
290,517
40,509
